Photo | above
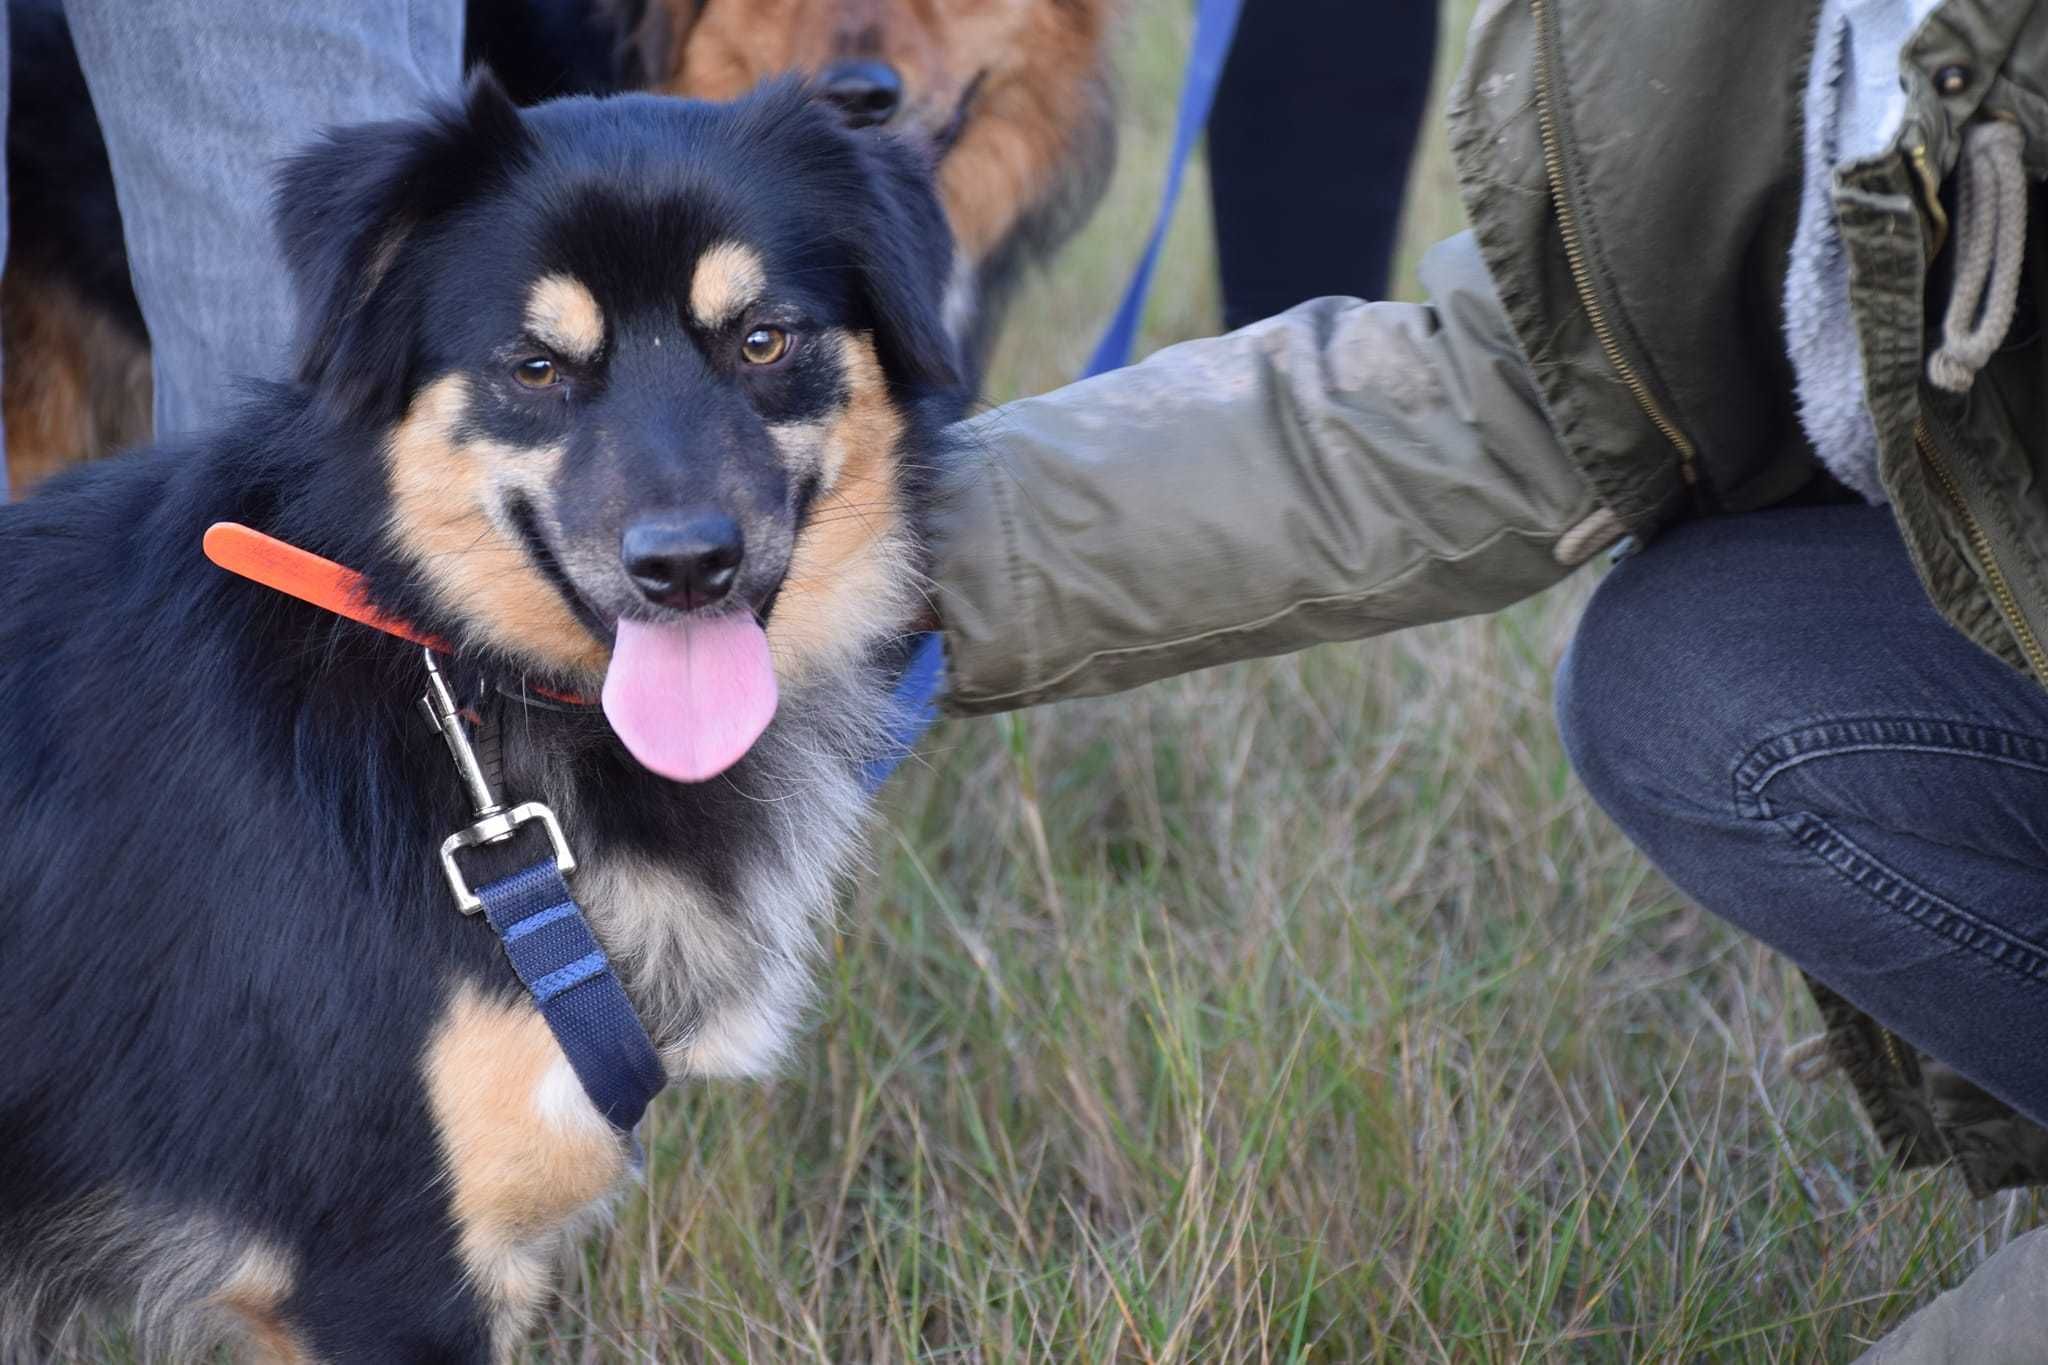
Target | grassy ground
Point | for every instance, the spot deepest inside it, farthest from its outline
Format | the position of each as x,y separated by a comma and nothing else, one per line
1301,1010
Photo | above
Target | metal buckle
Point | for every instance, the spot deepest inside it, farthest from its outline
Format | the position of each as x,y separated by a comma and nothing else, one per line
494,824
495,828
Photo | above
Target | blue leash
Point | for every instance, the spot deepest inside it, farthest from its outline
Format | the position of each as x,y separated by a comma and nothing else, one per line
1215,25
573,986
546,937
917,692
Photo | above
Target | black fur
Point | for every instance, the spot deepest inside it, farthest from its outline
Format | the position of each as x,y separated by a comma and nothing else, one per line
360,327
223,934
544,49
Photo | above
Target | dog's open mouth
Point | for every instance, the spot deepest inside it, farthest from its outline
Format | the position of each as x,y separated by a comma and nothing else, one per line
687,697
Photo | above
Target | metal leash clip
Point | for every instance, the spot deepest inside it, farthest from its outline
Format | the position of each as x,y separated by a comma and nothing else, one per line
494,823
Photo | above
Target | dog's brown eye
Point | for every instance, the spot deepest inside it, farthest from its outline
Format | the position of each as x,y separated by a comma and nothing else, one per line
537,373
765,345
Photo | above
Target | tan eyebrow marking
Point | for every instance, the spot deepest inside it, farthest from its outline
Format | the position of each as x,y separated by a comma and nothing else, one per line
728,278
563,314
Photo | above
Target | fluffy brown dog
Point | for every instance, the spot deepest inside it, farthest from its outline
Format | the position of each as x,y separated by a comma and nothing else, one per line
1011,95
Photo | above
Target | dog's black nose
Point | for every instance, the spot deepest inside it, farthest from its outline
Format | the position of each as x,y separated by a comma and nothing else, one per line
867,92
685,562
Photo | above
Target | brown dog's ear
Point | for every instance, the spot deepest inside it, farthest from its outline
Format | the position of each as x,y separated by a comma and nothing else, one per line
348,211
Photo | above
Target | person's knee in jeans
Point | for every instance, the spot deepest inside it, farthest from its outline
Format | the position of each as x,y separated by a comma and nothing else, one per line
1691,655
1771,710
1636,694
1718,639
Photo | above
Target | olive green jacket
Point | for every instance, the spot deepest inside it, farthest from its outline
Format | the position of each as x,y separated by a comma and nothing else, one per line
1602,354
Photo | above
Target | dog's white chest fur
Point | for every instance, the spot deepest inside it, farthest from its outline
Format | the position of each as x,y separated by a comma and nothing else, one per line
722,987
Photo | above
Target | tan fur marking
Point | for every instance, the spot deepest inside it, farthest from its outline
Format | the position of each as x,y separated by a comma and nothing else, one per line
524,1156
848,579
255,1292
562,314
447,496
728,277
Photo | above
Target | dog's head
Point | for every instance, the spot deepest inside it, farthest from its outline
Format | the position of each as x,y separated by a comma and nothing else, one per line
1010,93
645,377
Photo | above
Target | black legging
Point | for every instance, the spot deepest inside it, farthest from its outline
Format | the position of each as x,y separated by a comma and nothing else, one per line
1309,147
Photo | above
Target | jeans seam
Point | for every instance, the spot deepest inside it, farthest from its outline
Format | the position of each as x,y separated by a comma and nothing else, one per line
413,22
1854,864
1939,917
1903,734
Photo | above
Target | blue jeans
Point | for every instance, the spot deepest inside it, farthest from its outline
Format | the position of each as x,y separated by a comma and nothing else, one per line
1771,709
198,100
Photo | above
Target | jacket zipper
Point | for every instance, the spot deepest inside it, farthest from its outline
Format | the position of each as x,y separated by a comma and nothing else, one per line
1980,543
1575,252
1930,198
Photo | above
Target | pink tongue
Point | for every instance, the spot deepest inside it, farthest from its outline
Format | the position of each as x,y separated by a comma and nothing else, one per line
688,700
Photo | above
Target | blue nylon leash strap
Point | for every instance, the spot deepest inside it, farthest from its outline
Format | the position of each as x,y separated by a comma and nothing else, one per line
574,988
917,692
545,936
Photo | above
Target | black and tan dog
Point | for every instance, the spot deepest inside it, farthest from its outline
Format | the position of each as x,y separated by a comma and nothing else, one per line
631,396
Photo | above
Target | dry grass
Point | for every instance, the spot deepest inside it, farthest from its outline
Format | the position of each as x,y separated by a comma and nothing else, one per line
1300,1010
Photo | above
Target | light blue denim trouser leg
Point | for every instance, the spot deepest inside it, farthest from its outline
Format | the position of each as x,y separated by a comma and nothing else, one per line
199,99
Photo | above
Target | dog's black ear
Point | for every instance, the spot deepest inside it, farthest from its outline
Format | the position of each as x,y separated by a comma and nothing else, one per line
348,206
903,249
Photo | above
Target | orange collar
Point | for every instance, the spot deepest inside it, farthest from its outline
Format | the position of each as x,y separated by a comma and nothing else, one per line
286,568
302,574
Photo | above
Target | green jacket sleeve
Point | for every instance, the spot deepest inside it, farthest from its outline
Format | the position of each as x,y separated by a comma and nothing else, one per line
1339,471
